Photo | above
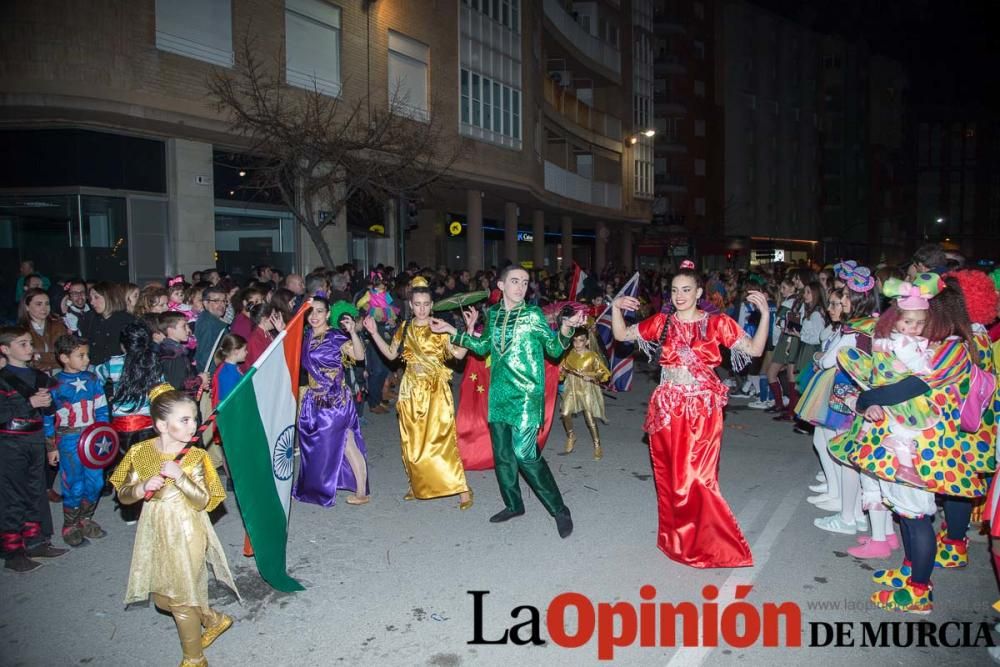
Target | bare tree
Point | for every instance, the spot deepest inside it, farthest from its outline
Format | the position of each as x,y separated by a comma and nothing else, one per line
312,147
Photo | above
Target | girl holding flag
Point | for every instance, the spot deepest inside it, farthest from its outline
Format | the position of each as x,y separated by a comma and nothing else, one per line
684,422
175,541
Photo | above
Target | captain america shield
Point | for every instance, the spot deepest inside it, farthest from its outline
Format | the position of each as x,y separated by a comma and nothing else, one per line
98,445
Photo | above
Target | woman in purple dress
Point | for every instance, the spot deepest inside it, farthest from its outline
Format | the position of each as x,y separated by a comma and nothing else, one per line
329,432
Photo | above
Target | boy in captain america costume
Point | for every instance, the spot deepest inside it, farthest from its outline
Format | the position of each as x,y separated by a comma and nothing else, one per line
79,401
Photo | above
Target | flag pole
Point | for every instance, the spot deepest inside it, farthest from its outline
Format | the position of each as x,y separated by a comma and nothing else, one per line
635,277
195,439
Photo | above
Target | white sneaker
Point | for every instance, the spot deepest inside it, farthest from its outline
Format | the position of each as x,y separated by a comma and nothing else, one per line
835,524
819,488
830,505
760,405
862,523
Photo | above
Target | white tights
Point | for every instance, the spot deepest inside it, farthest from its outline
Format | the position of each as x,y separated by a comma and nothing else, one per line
821,438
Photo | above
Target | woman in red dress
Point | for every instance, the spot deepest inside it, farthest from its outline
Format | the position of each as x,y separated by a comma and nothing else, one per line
684,420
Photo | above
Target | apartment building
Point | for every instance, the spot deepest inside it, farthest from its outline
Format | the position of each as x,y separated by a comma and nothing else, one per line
688,159
120,167
770,72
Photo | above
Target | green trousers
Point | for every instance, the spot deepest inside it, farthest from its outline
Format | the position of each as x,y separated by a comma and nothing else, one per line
516,450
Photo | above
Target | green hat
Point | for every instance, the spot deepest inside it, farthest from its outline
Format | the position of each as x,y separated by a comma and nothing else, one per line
338,310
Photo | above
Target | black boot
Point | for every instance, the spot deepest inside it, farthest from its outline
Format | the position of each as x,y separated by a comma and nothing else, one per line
17,561
45,550
505,515
564,523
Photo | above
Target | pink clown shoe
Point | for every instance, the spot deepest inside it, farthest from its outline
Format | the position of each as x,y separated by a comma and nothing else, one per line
891,540
871,549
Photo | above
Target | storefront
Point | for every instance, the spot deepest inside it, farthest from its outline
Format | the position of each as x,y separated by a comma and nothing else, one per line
493,246
82,203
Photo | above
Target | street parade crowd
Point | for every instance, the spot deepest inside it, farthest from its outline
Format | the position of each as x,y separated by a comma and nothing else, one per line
889,370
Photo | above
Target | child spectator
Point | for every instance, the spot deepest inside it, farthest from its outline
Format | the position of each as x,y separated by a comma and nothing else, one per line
25,520
79,401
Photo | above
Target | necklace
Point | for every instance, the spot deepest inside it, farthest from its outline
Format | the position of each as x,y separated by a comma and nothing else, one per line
505,339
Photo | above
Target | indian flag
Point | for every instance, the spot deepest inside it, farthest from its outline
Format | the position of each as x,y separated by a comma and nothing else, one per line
257,423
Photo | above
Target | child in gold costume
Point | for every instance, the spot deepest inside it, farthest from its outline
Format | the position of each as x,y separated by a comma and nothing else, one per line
582,372
175,540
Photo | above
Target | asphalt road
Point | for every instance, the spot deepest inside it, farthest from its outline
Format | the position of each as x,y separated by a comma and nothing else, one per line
388,583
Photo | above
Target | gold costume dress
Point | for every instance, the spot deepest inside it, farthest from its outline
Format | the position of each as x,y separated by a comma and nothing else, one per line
427,415
580,394
175,538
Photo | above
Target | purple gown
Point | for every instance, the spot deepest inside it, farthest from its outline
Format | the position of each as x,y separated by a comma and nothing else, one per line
326,415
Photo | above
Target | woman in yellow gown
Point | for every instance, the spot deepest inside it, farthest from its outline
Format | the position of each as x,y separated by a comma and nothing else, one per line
425,405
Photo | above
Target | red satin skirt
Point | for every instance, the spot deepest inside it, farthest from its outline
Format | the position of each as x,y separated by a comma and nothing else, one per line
697,528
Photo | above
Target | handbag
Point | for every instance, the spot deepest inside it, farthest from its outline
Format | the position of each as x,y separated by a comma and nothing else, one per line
982,388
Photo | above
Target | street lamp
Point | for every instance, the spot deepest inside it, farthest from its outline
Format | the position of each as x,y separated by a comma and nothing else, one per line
937,221
634,138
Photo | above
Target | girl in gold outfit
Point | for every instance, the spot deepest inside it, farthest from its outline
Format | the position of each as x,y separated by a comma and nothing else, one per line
425,404
583,371
175,540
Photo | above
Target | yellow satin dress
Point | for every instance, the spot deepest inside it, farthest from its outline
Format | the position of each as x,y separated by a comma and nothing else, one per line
426,411
174,541
579,393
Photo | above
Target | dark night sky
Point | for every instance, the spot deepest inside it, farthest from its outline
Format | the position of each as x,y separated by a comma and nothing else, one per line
952,49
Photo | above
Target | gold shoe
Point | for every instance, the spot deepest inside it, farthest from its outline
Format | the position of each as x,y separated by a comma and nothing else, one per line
598,453
212,633
570,443
358,500
409,495
467,504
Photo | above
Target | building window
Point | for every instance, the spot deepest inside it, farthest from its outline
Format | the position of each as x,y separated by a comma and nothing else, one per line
699,167
699,128
699,206
490,105
465,96
505,12
408,76
699,88
312,46
497,111
200,29
699,10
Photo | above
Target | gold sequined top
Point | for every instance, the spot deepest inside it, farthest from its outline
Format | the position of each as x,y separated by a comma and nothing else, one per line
143,461
174,541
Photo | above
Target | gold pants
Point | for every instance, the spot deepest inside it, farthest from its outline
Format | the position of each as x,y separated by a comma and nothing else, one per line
189,621
591,423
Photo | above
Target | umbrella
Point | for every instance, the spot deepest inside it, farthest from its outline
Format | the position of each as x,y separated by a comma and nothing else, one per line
459,301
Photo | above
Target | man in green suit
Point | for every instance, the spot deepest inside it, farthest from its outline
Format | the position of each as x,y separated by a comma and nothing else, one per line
517,337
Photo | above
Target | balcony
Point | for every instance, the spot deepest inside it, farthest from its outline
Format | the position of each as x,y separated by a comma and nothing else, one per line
576,187
598,51
669,63
565,103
